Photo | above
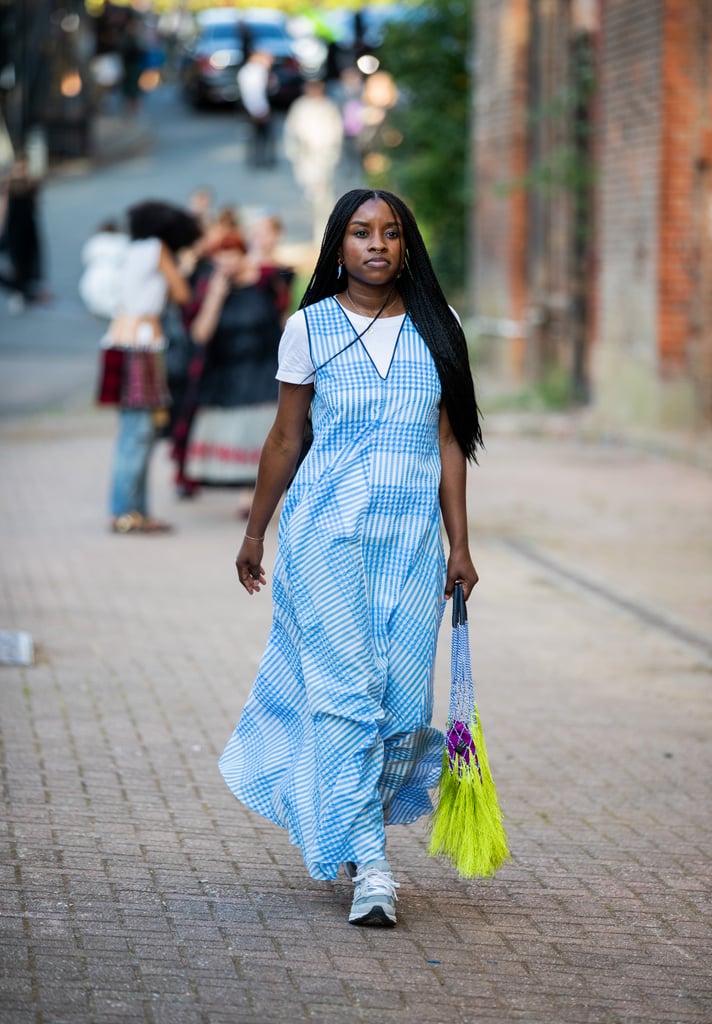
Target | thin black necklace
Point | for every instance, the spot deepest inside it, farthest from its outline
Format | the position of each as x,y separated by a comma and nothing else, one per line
359,335
369,327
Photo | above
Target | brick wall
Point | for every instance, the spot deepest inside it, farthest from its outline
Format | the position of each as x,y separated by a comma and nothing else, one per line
499,284
648,278
652,355
549,199
523,248
685,295
628,190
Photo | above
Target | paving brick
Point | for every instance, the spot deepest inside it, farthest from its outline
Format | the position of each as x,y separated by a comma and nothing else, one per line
134,888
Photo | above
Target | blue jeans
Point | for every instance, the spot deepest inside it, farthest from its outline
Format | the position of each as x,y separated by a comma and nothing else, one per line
134,445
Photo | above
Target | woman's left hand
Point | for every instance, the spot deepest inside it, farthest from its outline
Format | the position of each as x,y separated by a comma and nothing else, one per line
248,563
460,569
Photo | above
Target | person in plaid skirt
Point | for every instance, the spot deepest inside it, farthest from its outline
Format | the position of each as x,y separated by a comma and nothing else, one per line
133,371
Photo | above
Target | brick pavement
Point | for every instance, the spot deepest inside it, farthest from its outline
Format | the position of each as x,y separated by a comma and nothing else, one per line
134,888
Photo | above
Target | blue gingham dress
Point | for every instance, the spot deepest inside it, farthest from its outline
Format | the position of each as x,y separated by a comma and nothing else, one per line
335,739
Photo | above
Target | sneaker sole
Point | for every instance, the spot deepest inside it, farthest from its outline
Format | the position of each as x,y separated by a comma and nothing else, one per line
375,918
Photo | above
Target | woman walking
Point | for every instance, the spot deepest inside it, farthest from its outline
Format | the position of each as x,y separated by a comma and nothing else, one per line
335,740
133,370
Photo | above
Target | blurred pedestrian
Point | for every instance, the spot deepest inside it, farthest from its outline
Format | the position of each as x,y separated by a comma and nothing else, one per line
22,235
133,370
313,137
213,226
133,59
234,316
201,203
227,220
335,741
359,24
253,83
103,255
263,240
349,96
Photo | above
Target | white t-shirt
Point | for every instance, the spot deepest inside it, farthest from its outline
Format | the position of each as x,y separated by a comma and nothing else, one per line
295,362
142,287
313,133
103,256
252,81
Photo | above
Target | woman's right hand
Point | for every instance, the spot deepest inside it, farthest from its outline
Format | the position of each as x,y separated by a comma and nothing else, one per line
205,321
249,565
219,283
276,468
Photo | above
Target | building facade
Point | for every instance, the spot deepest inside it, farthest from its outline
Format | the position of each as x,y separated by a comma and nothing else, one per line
592,220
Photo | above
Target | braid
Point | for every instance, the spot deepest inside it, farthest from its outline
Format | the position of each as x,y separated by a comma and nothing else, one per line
324,281
429,310
423,299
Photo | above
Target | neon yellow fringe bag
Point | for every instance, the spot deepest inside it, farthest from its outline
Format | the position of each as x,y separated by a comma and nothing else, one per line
467,824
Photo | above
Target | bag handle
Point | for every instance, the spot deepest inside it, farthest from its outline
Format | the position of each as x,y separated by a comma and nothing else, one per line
459,607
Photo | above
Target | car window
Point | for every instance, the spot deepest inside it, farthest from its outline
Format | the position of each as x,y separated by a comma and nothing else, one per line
220,33
264,31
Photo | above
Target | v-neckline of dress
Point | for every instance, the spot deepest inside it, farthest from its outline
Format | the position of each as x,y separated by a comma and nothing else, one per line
359,338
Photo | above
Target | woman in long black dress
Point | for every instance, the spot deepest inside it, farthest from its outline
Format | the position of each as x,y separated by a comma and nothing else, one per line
238,322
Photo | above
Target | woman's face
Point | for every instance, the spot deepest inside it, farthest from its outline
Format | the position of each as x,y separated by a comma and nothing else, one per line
230,261
373,248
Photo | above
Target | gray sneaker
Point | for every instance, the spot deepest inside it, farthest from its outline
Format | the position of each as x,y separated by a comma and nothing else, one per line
374,895
351,869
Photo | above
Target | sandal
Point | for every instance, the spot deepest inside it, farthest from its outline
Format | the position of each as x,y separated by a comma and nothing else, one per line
129,522
134,522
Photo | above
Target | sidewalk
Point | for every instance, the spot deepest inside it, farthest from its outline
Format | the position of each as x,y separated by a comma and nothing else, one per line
136,889
115,136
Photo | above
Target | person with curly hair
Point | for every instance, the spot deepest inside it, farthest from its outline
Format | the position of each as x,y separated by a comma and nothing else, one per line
133,373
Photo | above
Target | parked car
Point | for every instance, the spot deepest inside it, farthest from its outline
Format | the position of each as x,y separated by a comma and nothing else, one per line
222,41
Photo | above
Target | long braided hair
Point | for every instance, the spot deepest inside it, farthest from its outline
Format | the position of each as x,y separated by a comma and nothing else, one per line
424,301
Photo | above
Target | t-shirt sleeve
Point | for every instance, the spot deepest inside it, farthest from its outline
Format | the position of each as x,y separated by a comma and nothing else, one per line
152,248
295,362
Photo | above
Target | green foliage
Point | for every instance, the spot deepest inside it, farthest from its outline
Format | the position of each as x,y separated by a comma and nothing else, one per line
552,392
555,388
425,137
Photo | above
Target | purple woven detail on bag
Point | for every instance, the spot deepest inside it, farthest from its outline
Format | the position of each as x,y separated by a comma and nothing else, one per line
460,743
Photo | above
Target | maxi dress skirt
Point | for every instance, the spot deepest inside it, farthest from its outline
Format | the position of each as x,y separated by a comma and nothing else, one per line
335,739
